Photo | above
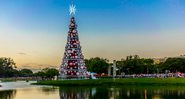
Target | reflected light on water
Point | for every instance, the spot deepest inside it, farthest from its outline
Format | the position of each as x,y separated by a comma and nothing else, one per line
14,90
37,93
157,97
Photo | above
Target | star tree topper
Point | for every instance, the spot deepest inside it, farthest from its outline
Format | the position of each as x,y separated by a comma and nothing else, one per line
72,9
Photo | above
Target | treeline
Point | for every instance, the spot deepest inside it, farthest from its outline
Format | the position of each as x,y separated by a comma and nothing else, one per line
130,65
8,69
136,65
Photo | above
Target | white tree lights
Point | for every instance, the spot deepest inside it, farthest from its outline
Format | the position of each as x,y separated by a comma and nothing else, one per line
73,65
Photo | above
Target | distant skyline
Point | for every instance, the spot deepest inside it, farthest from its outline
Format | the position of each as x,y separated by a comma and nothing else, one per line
34,32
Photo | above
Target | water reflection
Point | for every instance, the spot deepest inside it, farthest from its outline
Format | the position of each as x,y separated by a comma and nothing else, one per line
23,90
123,92
8,94
74,92
11,91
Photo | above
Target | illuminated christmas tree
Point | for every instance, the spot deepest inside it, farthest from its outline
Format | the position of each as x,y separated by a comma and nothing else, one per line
73,65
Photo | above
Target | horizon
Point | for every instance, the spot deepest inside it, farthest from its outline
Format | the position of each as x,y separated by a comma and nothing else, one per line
34,32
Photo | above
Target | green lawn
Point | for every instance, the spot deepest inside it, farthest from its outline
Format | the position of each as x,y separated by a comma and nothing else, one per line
123,81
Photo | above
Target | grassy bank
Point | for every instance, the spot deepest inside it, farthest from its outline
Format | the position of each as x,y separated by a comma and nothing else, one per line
13,79
7,80
112,82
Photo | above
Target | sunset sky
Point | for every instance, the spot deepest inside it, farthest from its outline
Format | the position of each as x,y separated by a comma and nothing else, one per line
34,32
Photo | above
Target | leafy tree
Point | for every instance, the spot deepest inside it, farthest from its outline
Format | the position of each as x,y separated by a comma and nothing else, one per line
174,65
97,64
47,73
7,66
136,65
121,66
26,72
133,64
149,66
40,74
50,73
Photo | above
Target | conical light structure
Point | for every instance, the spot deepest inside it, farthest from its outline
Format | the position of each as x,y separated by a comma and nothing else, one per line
73,65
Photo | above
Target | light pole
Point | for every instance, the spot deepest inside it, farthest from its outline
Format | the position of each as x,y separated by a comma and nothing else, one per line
114,68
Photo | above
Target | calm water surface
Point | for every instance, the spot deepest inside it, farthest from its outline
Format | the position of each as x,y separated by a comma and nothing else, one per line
23,90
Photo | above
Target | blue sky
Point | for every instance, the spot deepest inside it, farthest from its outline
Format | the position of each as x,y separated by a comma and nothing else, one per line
35,31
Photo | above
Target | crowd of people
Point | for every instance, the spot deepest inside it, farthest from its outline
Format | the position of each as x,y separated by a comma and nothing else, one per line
167,75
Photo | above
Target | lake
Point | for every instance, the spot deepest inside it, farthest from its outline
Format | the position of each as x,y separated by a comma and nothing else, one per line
23,90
